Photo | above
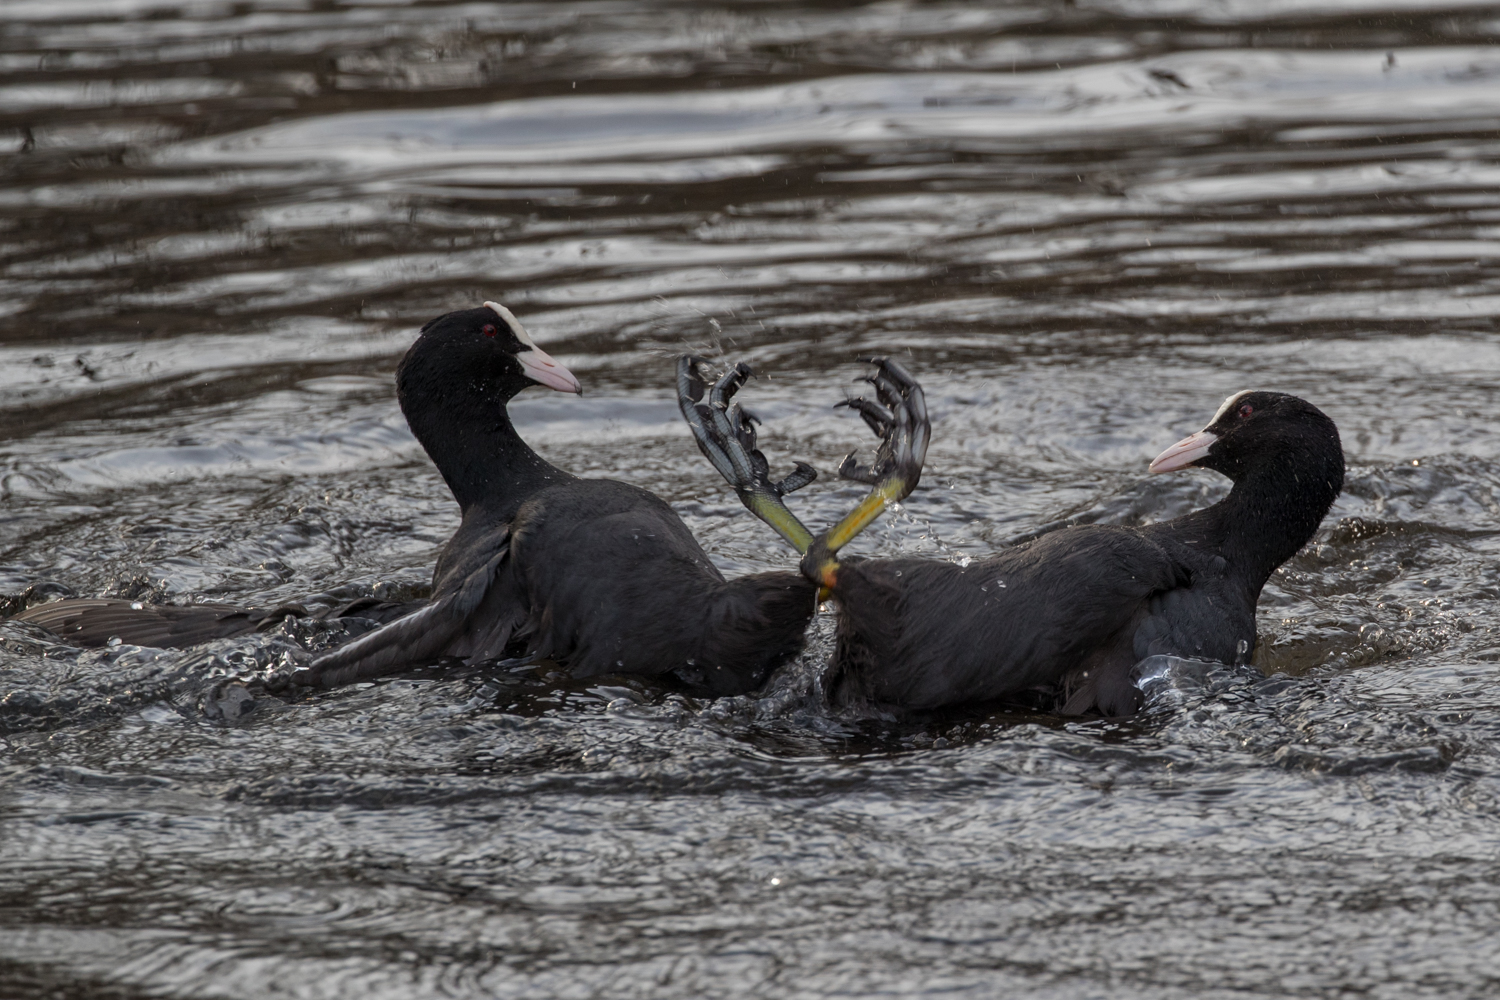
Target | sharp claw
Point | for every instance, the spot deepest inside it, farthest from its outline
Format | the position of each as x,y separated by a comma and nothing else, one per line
763,472
888,390
894,370
877,419
855,472
690,382
730,383
741,422
796,479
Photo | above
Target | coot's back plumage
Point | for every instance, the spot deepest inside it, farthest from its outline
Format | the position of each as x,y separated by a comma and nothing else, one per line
921,633
698,620
601,576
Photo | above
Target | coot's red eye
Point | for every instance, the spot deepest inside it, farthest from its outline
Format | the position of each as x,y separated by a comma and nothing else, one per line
1245,410
489,330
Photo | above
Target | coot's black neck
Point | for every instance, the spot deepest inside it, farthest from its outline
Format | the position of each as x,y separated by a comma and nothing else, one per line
470,438
1273,510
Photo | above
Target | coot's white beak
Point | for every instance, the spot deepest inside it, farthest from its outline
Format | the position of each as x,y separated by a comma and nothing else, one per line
1184,453
541,368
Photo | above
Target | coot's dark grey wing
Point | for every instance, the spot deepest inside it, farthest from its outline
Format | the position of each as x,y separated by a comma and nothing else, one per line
1208,620
91,622
1191,616
372,609
475,609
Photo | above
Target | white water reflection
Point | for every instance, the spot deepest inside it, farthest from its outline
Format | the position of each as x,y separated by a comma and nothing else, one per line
1180,93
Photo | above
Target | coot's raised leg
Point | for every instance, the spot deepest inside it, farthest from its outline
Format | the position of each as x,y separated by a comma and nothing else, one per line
726,435
900,420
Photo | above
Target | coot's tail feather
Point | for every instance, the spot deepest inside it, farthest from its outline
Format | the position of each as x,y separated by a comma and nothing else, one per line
91,623
418,638
94,622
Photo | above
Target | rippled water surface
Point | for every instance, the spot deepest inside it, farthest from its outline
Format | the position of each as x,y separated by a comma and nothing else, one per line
1081,223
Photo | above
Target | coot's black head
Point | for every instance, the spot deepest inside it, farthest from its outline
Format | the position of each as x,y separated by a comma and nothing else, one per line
1257,432
480,356
454,385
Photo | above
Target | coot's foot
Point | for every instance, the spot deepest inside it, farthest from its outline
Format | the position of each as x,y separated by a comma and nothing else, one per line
900,420
725,433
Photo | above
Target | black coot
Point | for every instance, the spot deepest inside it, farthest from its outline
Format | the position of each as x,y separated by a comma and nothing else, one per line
601,576
1059,621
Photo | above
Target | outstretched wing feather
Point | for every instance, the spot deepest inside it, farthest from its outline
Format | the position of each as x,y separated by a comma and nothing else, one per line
424,635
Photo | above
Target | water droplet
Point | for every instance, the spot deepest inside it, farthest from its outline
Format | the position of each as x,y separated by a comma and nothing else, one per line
114,640
776,881
136,605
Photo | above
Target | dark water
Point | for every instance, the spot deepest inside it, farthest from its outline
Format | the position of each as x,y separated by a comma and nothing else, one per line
1086,222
